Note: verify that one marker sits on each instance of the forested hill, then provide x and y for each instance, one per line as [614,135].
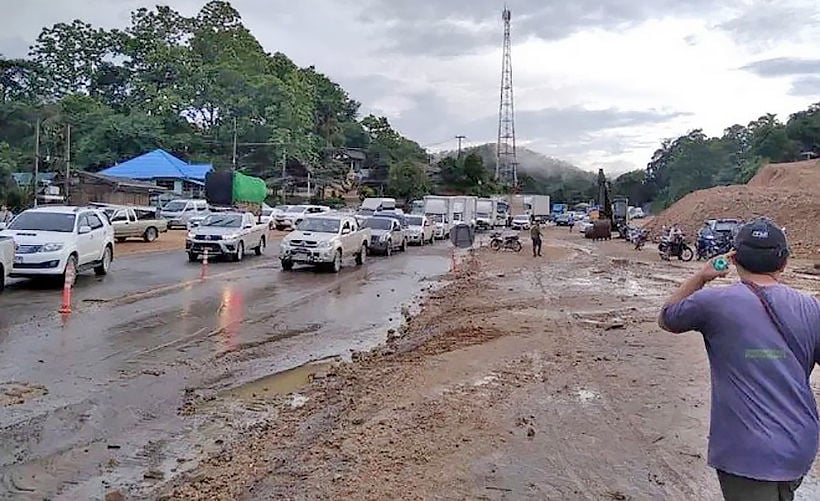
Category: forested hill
[183,84]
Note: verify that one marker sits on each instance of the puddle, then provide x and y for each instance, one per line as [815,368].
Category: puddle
[281,383]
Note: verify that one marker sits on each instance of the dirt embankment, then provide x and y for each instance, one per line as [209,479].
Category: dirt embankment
[787,193]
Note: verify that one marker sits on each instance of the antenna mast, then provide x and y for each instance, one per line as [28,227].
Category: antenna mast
[506,167]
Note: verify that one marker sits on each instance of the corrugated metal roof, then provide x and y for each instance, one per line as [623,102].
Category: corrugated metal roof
[157,164]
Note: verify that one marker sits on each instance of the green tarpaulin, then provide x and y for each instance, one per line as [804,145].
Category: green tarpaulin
[249,189]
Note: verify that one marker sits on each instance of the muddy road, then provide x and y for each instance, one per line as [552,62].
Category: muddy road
[520,378]
[105,398]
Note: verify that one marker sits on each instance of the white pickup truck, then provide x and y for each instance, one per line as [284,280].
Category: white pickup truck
[325,240]
[7,248]
[135,222]
[229,234]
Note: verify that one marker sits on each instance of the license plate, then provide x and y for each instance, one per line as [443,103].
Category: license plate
[18,259]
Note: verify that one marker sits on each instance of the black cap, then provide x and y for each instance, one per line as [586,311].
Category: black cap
[761,246]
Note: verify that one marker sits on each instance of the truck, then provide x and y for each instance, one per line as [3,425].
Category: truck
[558,210]
[234,190]
[417,207]
[486,213]
[437,210]
[463,209]
[325,240]
[372,205]
[537,207]
[502,210]
[134,222]
[228,233]
[7,251]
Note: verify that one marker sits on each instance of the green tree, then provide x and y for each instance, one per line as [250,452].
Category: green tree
[407,180]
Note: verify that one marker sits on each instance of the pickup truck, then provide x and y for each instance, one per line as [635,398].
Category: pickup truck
[325,240]
[136,222]
[229,234]
[7,248]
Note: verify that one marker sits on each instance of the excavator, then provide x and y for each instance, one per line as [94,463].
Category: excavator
[612,214]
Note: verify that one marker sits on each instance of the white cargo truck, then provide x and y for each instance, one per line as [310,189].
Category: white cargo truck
[486,216]
[537,207]
[463,209]
[437,210]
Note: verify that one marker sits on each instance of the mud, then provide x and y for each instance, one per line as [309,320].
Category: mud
[520,378]
[130,390]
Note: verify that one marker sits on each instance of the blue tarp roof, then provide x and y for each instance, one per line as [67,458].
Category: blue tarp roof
[158,164]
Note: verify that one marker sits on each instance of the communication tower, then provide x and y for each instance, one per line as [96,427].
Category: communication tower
[506,167]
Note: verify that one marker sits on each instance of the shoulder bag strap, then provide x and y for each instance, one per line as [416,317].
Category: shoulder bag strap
[779,326]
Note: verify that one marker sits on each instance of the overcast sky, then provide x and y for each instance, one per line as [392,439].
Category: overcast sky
[597,82]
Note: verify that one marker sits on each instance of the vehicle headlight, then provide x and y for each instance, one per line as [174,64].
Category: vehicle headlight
[231,237]
[327,244]
[51,247]
[191,236]
[383,237]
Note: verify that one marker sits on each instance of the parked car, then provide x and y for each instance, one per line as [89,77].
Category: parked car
[180,212]
[325,240]
[7,251]
[520,222]
[386,235]
[135,222]
[294,215]
[53,240]
[230,234]
[419,230]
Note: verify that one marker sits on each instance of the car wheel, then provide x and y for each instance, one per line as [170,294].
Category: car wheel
[336,265]
[102,269]
[361,257]
[389,249]
[287,265]
[70,266]
[240,252]
[121,239]
[2,278]
[193,257]
[404,245]
[261,247]
[150,235]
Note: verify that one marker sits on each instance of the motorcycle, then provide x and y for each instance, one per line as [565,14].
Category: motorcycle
[675,247]
[639,238]
[710,246]
[506,242]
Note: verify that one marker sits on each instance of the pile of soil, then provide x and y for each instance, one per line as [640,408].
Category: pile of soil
[786,193]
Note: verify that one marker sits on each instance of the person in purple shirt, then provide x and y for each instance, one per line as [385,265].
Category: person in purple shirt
[762,339]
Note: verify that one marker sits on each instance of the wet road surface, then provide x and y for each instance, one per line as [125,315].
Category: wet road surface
[98,398]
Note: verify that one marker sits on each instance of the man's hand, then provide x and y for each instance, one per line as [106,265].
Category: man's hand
[709,273]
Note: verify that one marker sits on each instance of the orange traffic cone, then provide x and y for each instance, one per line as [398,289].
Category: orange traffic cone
[65,307]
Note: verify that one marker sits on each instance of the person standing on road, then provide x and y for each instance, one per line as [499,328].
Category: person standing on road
[5,215]
[763,340]
[535,234]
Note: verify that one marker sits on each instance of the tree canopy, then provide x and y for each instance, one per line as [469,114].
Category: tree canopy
[184,84]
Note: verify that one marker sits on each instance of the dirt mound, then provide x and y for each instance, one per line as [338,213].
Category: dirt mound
[796,175]
[798,210]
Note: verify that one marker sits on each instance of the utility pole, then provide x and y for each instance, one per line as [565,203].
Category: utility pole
[67,160]
[284,165]
[460,138]
[234,144]
[36,159]
[310,194]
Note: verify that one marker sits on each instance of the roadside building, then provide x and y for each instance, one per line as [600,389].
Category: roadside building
[164,170]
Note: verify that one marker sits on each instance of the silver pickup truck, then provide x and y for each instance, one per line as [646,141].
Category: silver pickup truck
[135,222]
[7,248]
[325,240]
[229,234]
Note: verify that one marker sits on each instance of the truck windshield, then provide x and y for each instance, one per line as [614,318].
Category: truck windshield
[319,225]
[175,206]
[437,218]
[414,221]
[223,221]
[378,223]
[44,221]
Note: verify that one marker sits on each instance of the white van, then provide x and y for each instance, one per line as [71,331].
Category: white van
[179,212]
